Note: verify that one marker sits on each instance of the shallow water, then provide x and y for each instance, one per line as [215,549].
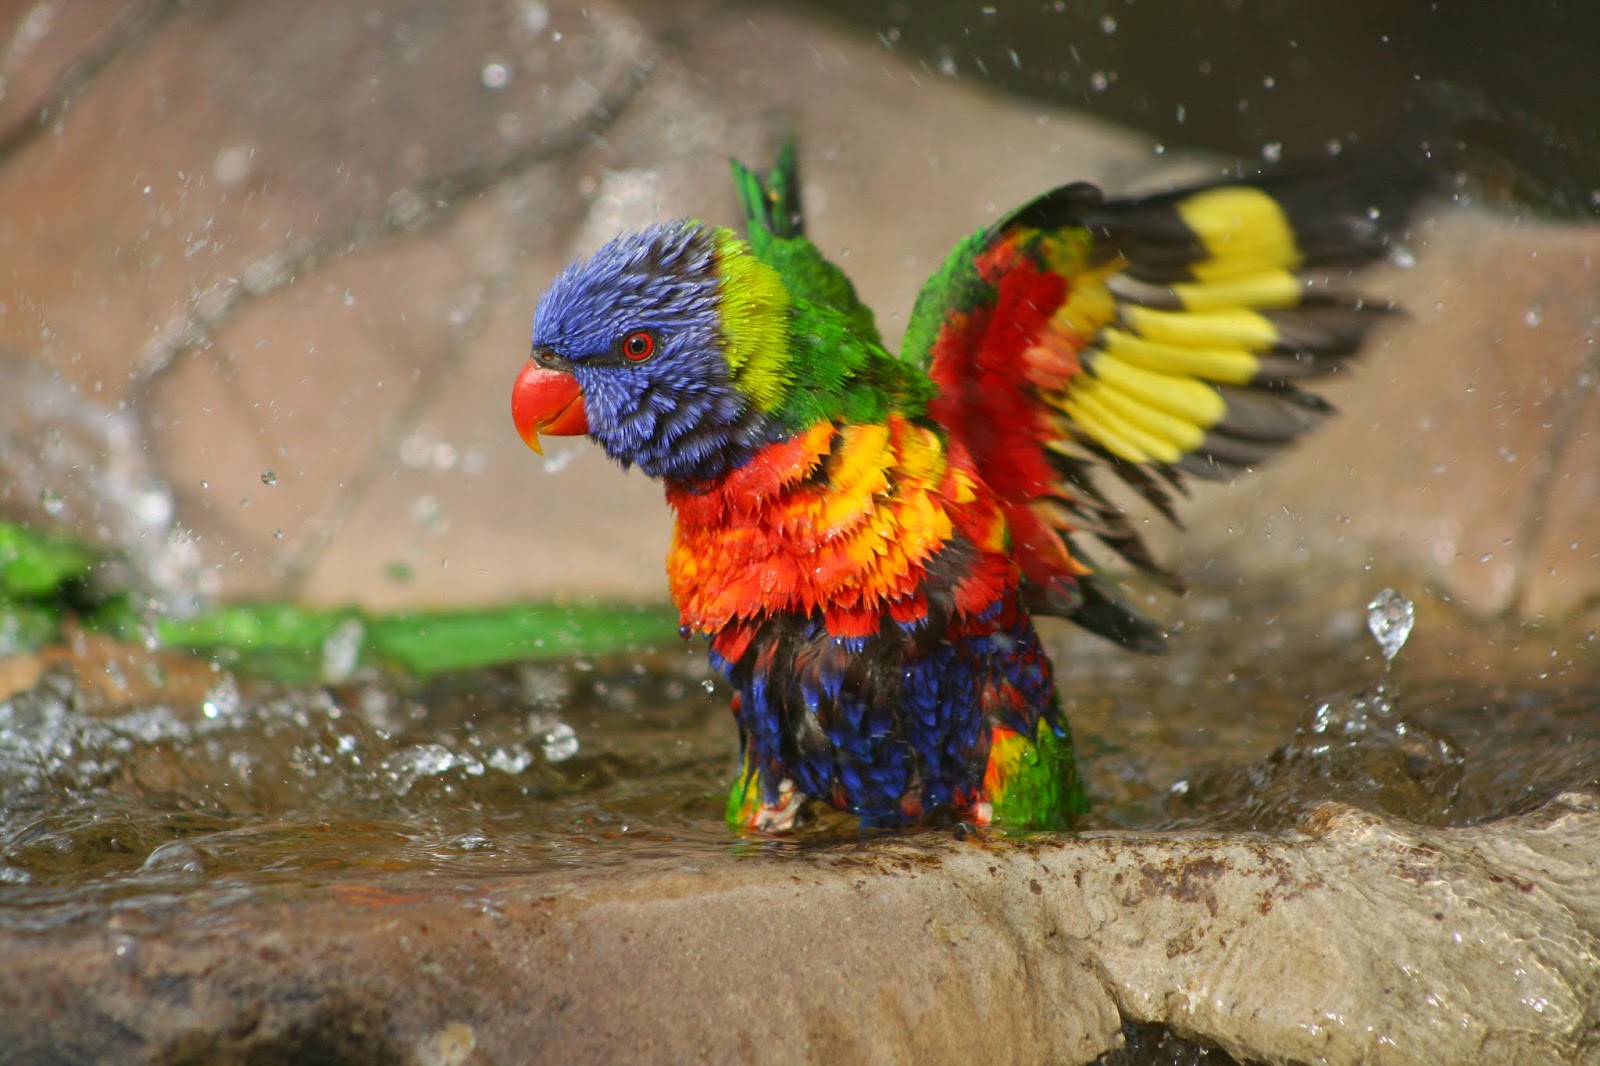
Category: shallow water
[120,796]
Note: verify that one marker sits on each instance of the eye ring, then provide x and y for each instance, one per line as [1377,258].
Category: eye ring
[637,346]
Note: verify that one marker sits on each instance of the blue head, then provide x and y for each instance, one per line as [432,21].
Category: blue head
[672,347]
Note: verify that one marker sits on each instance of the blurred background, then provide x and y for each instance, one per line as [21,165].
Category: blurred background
[266,270]
[1502,87]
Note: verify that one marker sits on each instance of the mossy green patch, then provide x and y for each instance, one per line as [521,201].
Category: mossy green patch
[46,578]
[287,641]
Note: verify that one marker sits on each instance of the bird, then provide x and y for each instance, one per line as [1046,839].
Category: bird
[865,540]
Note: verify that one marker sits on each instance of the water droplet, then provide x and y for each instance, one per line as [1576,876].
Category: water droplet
[175,857]
[427,512]
[1099,81]
[1533,317]
[405,768]
[233,164]
[560,742]
[222,699]
[1108,24]
[534,16]
[510,760]
[1272,151]
[52,502]
[947,66]
[495,75]
[269,477]
[1390,616]
[124,946]
[341,652]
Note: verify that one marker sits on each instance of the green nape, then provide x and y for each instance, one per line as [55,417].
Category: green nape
[839,376]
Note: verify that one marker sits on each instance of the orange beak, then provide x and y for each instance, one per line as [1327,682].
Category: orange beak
[547,401]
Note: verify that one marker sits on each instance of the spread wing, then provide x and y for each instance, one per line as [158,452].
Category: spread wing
[1147,339]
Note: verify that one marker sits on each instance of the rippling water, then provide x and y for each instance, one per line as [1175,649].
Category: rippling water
[116,794]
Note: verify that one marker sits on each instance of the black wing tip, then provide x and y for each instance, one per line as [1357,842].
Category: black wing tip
[1345,211]
[1102,611]
[1063,206]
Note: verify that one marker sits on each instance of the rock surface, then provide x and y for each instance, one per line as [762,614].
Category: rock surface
[322,267]
[1356,939]
[300,242]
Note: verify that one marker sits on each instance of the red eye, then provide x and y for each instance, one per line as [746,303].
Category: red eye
[639,345]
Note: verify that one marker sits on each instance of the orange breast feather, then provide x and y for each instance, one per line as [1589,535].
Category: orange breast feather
[841,518]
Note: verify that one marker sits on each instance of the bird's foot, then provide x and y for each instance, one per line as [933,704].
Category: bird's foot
[782,816]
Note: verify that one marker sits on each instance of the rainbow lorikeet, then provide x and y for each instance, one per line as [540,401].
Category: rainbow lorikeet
[866,539]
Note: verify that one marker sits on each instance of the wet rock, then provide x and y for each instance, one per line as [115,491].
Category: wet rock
[239,262]
[1356,939]
[53,50]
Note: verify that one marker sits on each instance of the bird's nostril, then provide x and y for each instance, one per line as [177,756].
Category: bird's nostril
[547,358]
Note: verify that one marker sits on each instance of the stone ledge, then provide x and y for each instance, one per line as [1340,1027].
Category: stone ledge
[1357,939]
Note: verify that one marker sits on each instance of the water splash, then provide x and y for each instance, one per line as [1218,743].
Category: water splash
[1390,616]
[1354,747]
[223,698]
[341,652]
[67,460]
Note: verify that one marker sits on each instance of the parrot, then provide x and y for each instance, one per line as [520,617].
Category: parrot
[864,540]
